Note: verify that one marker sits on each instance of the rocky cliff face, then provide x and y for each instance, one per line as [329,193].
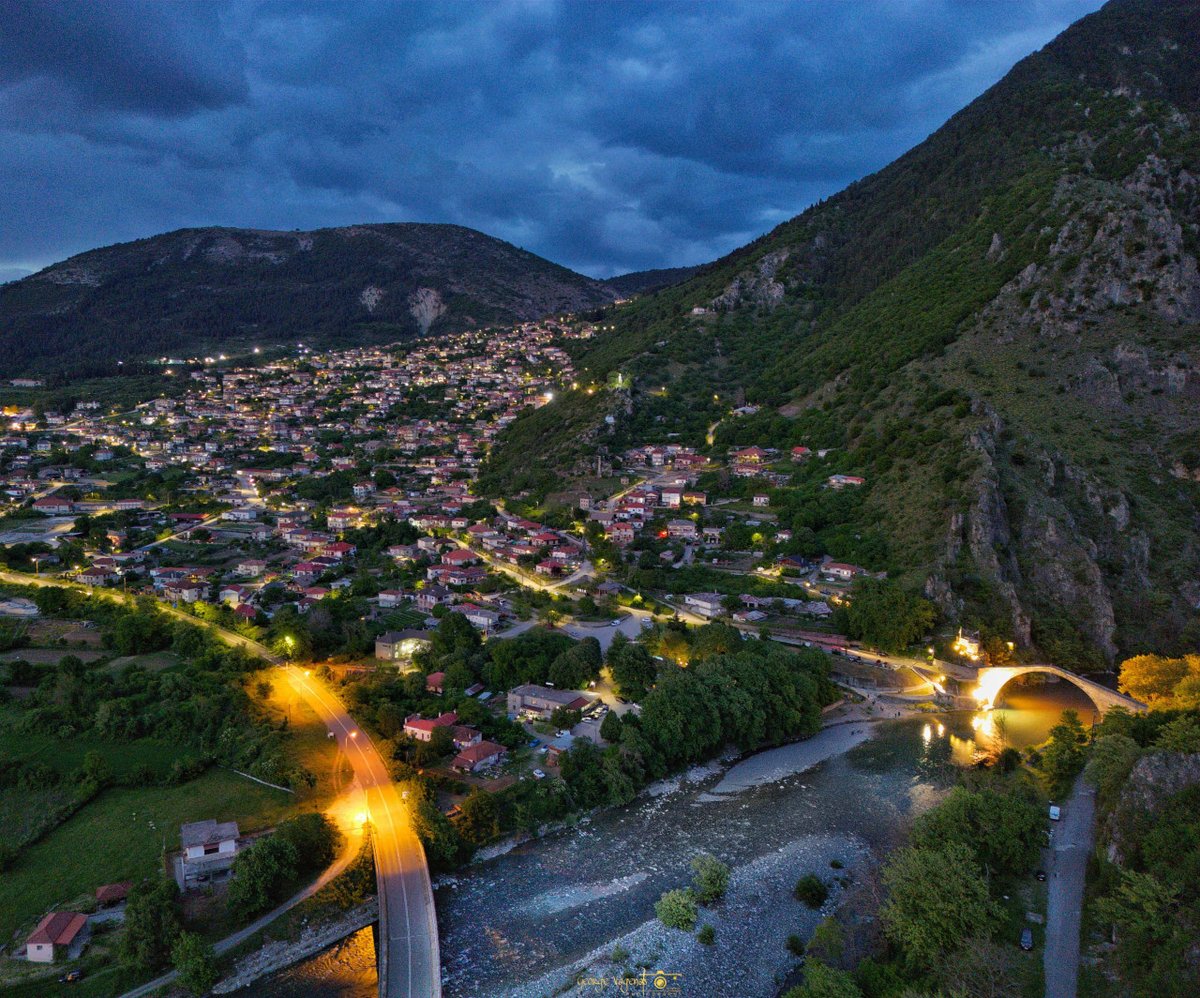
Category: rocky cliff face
[999,332]
[1154,778]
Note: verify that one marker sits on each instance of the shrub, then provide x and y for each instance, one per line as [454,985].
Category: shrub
[795,945]
[711,878]
[707,935]
[677,909]
[812,890]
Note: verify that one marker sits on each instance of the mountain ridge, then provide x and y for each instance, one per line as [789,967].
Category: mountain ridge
[995,329]
[205,288]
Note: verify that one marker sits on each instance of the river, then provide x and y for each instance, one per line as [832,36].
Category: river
[531,921]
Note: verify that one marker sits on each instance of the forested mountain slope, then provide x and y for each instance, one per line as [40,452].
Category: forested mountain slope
[999,330]
[197,290]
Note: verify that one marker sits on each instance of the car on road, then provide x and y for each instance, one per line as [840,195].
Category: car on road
[1040,874]
[534,743]
[1055,812]
[71,977]
[1027,939]
[538,774]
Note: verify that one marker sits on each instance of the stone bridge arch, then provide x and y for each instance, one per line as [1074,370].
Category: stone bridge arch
[993,679]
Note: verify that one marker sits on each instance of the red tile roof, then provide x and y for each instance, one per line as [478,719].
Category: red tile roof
[58,928]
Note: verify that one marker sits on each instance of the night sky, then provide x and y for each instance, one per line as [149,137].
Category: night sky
[605,136]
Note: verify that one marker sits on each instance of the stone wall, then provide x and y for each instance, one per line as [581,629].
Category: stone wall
[277,954]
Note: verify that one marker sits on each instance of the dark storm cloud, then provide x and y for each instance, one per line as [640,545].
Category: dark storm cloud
[606,136]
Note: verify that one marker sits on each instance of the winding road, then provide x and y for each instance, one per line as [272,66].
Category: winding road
[409,960]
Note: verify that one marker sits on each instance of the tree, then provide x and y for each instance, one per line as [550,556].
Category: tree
[711,878]
[314,837]
[1151,678]
[454,635]
[611,727]
[1064,754]
[197,964]
[677,909]
[936,899]
[95,768]
[1180,735]
[981,968]
[1113,758]
[443,845]
[633,669]
[1143,911]
[822,981]
[151,924]
[479,818]
[1003,826]
[883,615]
[564,718]
[261,874]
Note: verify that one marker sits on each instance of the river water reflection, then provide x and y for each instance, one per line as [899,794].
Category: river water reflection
[506,922]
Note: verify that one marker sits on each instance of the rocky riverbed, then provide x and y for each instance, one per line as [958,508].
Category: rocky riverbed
[544,917]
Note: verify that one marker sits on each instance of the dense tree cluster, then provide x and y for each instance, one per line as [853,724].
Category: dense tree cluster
[272,866]
[884,616]
[199,703]
[761,694]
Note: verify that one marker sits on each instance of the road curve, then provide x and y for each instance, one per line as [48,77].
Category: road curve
[409,962]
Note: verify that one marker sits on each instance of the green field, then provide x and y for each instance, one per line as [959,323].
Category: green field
[405,617]
[152,662]
[121,835]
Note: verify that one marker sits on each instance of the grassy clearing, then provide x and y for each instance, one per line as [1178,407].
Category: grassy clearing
[121,836]
[50,656]
[406,617]
[309,745]
[152,662]
[22,811]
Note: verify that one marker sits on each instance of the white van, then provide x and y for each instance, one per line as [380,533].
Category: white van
[1055,813]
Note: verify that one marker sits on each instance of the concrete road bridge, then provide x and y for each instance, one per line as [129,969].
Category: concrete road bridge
[992,679]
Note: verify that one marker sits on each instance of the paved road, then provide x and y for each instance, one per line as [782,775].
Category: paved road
[409,962]
[1072,843]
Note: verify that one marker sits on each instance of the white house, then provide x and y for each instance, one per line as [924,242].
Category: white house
[209,848]
[59,934]
[705,604]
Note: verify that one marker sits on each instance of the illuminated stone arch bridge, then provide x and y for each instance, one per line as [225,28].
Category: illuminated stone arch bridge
[992,679]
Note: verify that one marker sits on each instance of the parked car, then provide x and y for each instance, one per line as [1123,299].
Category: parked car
[538,774]
[1041,874]
[1027,939]
[1055,813]
[71,977]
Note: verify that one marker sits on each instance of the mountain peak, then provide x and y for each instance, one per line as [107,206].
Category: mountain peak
[199,289]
